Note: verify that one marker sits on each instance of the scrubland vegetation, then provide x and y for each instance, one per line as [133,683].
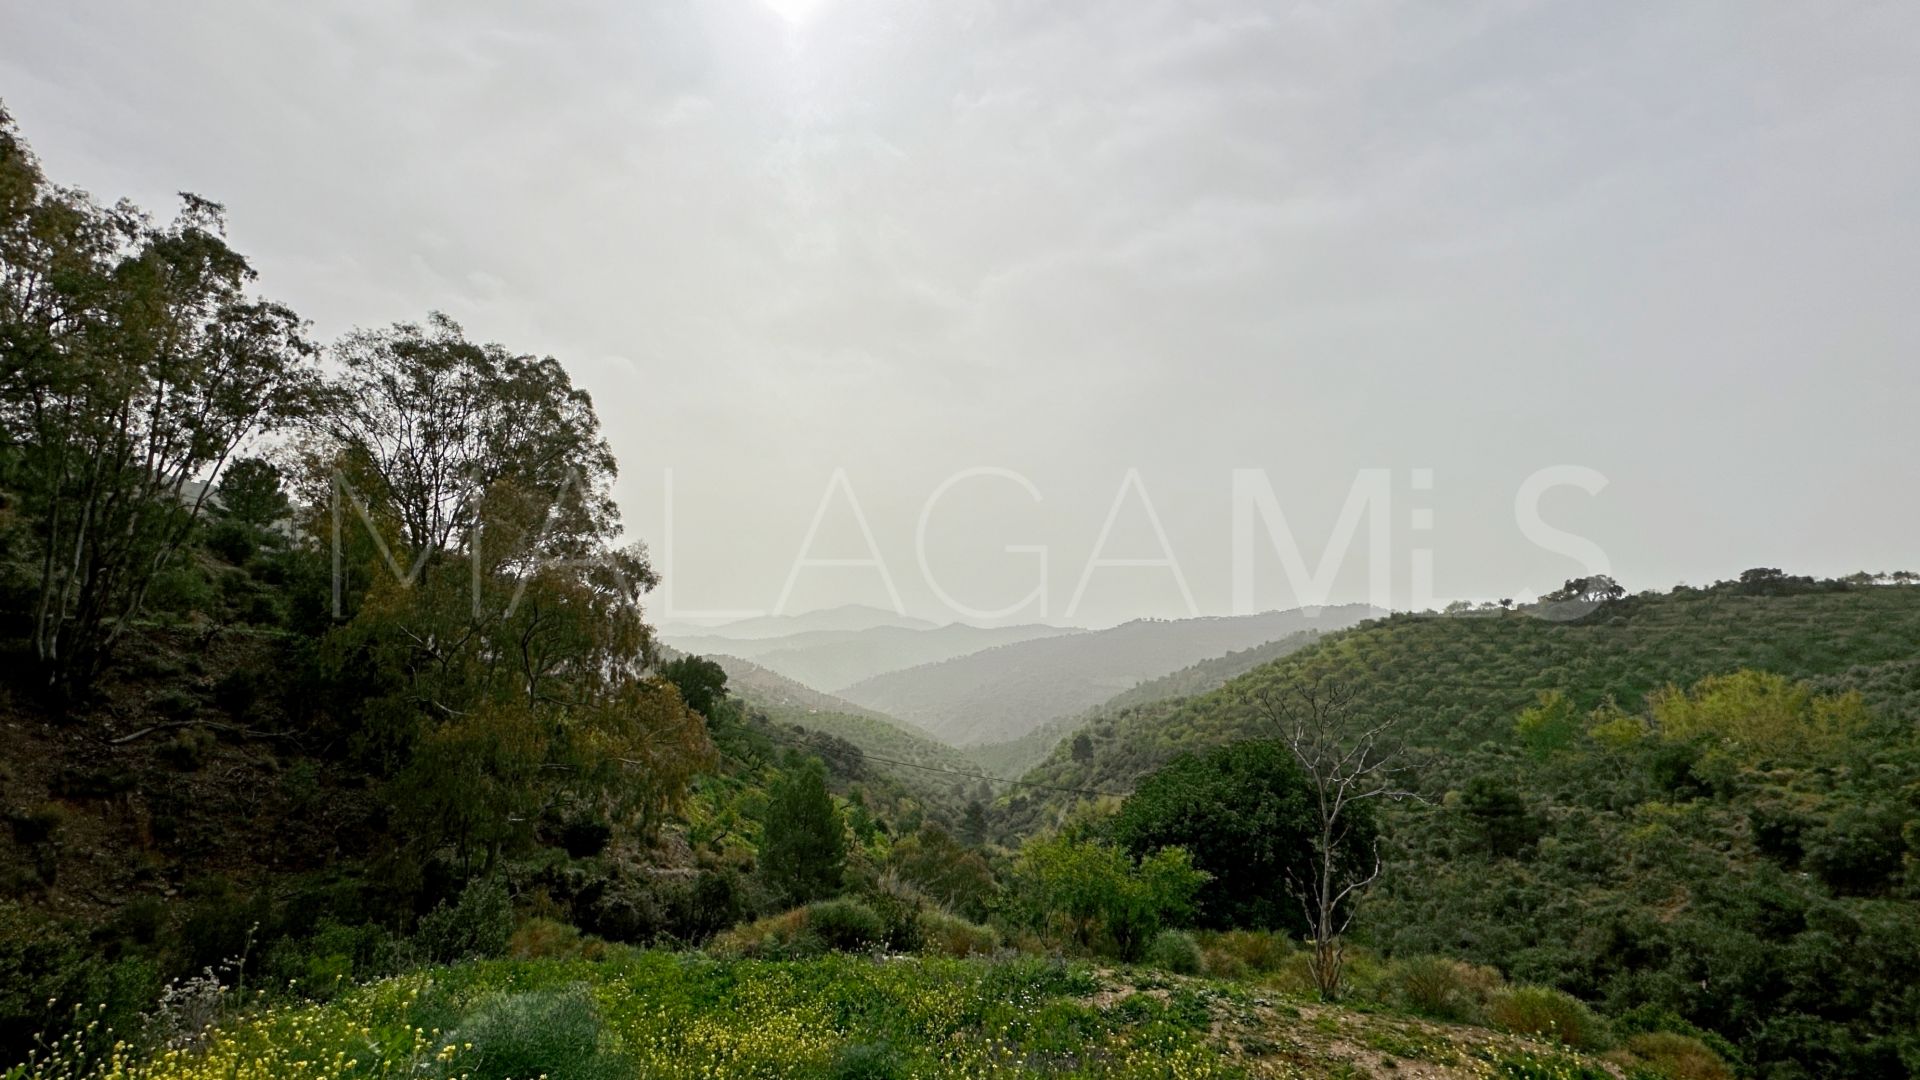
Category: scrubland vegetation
[336,742]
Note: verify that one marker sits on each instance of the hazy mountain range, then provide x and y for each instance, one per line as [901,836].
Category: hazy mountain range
[831,659]
[1003,693]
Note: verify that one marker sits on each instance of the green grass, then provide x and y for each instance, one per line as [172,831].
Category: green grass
[658,1014]
[669,1015]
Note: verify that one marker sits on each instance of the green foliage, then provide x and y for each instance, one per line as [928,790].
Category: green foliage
[1175,951]
[136,361]
[803,849]
[233,541]
[1442,988]
[1673,1056]
[1758,716]
[946,934]
[1494,818]
[553,1033]
[478,924]
[1659,868]
[49,972]
[1237,953]
[846,925]
[945,870]
[1548,1013]
[1245,815]
[250,493]
[701,682]
[1550,726]
[1098,898]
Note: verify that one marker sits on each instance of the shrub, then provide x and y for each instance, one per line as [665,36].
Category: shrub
[47,969]
[331,957]
[543,939]
[480,924]
[899,906]
[946,934]
[1679,1057]
[1174,951]
[175,704]
[774,937]
[1241,952]
[1097,897]
[846,925]
[1550,1013]
[554,1033]
[188,750]
[719,900]
[1438,987]
[232,541]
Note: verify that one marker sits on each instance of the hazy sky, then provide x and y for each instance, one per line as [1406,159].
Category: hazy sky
[1676,244]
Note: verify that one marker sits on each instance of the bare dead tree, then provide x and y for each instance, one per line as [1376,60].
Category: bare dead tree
[1347,761]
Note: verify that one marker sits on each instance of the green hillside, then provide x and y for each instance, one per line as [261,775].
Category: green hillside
[1016,756]
[936,774]
[831,659]
[1002,693]
[632,1013]
[1457,680]
[1738,853]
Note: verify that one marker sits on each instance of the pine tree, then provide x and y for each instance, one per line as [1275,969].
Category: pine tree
[803,845]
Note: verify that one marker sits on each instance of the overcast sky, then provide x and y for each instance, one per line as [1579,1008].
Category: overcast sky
[1676,244]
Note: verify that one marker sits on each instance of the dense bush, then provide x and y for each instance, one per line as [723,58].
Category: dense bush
[846,925]
[1244,952]
[1549,1013]
[1175,951]
[1438,987]
[773,937]
[552,1033]
[478,924]
[946,934]
[1678,1057]
[1244,813]
[1095,897]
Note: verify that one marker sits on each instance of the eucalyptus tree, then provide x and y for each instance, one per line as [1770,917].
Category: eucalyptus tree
[134,362]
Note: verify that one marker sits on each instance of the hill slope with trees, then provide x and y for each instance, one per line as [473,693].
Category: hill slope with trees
[833,659]
[1701,805]
[1003,693]
[1016,756]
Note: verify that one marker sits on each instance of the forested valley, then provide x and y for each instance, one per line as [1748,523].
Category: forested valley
[336,740]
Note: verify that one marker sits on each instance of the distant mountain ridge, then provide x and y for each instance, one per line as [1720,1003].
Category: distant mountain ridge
[1002,693]
[831,659]
[934,773]
[1014,757]
[844,617]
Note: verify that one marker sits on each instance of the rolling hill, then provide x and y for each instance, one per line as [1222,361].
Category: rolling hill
[843,618]
[1002,693]
[930,770]
[1702,806]
[1459,680]
[832,659]
[1016,756]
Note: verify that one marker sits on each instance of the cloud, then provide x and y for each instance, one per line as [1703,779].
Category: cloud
[909,236]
